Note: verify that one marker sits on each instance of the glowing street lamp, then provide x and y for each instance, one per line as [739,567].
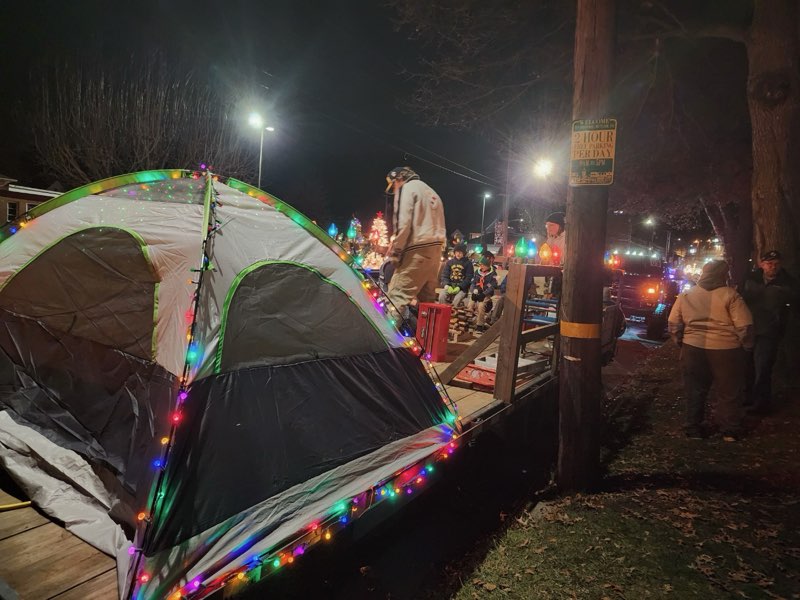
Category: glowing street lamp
[257,121]
[543,168]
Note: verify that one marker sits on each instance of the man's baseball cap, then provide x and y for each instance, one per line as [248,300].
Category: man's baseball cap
[402,173]
[771,255]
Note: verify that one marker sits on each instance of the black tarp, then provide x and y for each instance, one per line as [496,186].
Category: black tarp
[97,401]
[284,313]
[248,435]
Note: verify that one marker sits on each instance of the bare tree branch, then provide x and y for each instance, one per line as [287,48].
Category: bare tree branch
[91,123]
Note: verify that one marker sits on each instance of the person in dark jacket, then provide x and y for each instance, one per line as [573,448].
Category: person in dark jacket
[456,276]
[771,294]
[484,282]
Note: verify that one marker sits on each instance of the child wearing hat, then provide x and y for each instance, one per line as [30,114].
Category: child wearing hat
[484,282]
[456,276]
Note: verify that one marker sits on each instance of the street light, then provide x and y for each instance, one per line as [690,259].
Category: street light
[257,121]
[543,168]
[486,196]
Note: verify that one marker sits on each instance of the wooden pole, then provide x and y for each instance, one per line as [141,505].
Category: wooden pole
[582,293]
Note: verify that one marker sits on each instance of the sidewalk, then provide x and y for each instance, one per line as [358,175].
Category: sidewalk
[675,518]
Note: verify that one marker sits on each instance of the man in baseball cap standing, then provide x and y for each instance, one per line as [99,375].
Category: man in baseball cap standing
[419,230]
[771,294]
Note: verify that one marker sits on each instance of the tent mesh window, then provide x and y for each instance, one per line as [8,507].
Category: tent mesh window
[95,284]
[282,313]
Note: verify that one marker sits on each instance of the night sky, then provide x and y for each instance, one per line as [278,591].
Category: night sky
[334,73]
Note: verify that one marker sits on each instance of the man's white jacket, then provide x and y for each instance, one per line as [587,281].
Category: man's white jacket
[418,218]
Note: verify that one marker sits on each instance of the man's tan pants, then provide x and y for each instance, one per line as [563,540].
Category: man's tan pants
[415,276]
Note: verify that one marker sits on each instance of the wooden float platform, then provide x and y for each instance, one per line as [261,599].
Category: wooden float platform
[40,560]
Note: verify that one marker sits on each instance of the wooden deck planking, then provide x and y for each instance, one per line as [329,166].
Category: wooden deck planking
[469,400]
[472,403]
[101,587]
[16,521]
[45,561]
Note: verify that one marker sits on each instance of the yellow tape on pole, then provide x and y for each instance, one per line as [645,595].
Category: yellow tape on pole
[580,330]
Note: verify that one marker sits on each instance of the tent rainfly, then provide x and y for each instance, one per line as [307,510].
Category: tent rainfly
[199,370]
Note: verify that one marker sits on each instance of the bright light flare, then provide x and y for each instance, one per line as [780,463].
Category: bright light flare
[543,168]
[255,120]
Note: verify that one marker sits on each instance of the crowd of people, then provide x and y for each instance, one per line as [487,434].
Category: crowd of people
[411,272]
[730,340]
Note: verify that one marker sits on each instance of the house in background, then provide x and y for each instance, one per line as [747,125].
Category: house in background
[16,200]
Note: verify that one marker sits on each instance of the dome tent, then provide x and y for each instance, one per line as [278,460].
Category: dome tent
[203,367]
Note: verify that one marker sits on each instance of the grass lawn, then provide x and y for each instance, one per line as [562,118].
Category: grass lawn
[674,518]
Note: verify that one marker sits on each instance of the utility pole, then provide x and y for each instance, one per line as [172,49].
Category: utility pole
[506,203]
[582,294]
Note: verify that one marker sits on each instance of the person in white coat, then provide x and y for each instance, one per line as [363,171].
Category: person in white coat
[713,327]
[419,228]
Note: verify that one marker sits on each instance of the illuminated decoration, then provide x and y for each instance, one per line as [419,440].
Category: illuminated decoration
[354,231]
[532,249]
[403,484]
[333,230]
[545,253]
[479,249]
[379,232]
[341,514]
[521,249]
[406,482]
[210,227]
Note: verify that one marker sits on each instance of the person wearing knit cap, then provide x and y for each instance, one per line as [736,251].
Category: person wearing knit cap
[771,294]
[556,236]
[713,326]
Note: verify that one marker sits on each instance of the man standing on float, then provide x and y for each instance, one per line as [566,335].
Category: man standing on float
[419,229]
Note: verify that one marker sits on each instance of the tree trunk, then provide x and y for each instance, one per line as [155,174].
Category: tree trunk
[734,229]
[773,96]
[582,296]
